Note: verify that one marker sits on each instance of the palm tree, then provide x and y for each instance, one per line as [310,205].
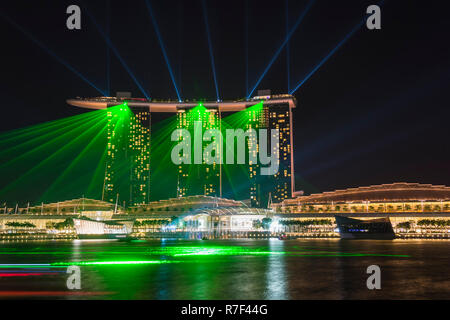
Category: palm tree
[257,224]
[404,225]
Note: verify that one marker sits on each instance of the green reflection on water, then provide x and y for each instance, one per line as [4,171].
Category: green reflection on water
[97,263]
[183,251]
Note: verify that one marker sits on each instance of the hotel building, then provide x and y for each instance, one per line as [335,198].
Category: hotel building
[128,157]
[128,150]
[199,179]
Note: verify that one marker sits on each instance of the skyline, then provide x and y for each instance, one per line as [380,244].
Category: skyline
[227,157]
[394,137]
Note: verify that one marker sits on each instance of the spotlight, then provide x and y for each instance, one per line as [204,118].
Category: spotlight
[277,53]
[332,52]
[211,54]
[51,53]
[163,49]
[116,53]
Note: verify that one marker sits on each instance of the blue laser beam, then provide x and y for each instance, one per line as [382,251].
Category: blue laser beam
[51,53]
[117,54]
[211,54]
[163,49]
[180,45]
[288,59]
[108,55]
[277,53]
[246,47]
[383,142]
[368,121]
[309,75]
[332,52]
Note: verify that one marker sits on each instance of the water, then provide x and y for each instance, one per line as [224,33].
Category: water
[226,269]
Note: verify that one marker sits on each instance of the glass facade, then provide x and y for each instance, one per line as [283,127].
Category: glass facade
[280,118]
[258,119]
[127,172]
[140,156]
[203,178]
[127,158]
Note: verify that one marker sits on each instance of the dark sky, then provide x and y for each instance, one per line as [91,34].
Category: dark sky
[375,112]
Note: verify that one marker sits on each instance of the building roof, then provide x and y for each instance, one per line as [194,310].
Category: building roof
[400,191]
[77,203]
[198,201]
[174,106]
[231,211]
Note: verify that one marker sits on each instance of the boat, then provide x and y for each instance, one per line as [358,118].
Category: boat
[284,236]
[110,236]
[377,229]
[108,230]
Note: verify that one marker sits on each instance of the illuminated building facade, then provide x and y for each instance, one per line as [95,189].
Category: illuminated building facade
[282,184]
[127,171]
[140,156]
[182,205]
[114,152]
[198,179]
[399,197]
[128,149]
[415,210]
[257,119]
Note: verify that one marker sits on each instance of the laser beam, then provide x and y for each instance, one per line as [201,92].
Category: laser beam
[163,49]
[246,47]
[117,54]
[48,137]
[108,55]
[277,53]
[288,59]
[211,54]
[51,53]
[84,129]
[332,52]
[77,159]
[328,56]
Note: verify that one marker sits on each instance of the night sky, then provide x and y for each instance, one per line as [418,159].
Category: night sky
[376,112]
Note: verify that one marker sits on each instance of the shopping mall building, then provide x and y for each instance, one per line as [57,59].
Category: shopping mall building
[411,207]
[415,211]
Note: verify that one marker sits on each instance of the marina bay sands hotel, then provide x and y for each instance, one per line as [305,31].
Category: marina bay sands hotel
[276,113]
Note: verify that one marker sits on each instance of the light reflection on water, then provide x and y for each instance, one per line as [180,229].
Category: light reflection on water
[276,273]
[228,269]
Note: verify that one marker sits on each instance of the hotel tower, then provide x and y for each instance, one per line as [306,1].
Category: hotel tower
[127,156]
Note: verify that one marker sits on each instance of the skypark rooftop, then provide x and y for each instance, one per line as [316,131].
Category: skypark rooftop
[174,106]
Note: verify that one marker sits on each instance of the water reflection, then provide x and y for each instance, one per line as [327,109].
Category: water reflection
[276,273]
[232,269]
